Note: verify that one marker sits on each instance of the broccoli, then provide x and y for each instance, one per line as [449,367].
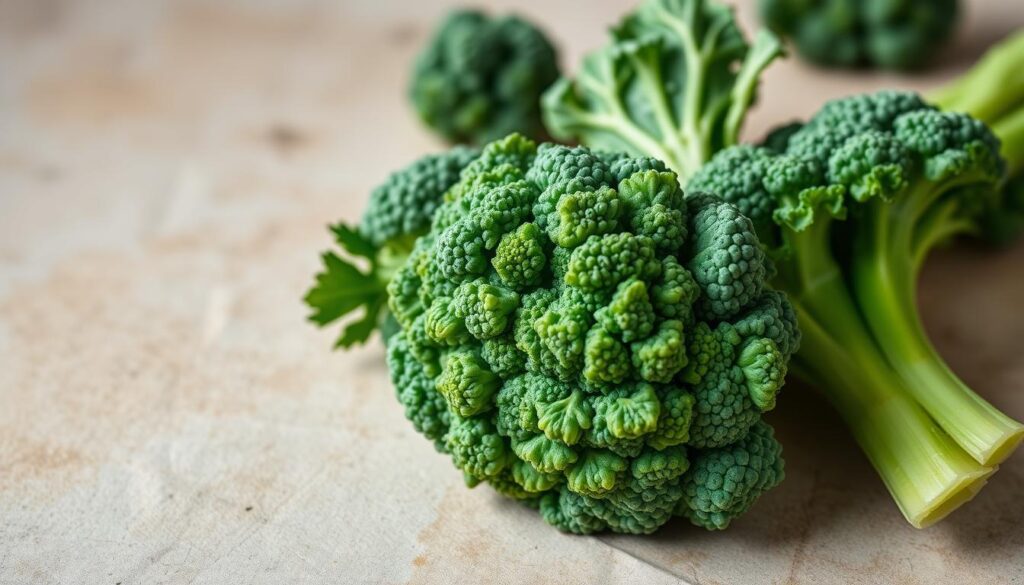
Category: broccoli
[581,337]
[890,34]
[481,78]
[993,92]
[674,83]
[400,210]
[850,204]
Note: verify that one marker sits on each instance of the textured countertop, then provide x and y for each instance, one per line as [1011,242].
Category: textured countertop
[167,416]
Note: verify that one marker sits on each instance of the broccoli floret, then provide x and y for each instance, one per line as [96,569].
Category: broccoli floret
[724,482]
[890,34]
[405,204]
[424,406]
[481,78]
[674,84]
[400,211]
[737,176]
[601,350]
[857,197]
[519,259]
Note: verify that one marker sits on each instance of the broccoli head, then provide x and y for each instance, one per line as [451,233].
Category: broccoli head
[849,205]
[400,210]
[890,34]
[481,78]
[674,83]
[605,347]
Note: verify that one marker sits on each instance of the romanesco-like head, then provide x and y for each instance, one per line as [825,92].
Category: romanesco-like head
[591,332]
[890,34]
[481,78]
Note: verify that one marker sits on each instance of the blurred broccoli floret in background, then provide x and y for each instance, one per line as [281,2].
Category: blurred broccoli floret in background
[481,78]
[890,34]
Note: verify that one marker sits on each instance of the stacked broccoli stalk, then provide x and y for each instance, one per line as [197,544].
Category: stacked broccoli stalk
[847,206]
[582,338]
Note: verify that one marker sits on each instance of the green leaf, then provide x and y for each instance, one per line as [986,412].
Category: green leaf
[353,242]
[340,289]
[359,331]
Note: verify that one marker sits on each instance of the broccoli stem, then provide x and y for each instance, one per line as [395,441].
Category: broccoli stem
[765,49]
[993,92]
[681,156]
[694,90]
[991,88]
[926,472]
[884,274]
[1010,131]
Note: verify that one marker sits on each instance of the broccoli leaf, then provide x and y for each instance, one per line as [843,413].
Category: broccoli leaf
[353,242]
[342,288]
[674,83]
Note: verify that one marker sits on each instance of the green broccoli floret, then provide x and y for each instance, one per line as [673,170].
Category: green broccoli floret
[400,210]
[674,84]
[587,356]
[481,78]
[850,204]
[724,482]
[424,406]
[891,34]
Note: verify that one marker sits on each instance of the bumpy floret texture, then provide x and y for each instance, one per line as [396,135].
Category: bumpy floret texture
[891,34]
[480,78]
[737,176]
[726,481]
[581,355]
[404,205]
[867,147]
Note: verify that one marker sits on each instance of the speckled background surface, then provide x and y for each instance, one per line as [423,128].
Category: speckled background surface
[167,416]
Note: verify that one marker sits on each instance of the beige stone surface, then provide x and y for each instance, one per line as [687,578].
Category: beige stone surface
[166,416]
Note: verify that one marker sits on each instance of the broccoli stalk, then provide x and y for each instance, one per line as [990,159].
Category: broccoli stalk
[993,92]
[667,86]
[888,257]
[924,469]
